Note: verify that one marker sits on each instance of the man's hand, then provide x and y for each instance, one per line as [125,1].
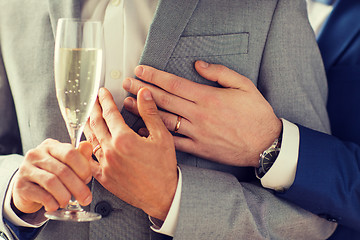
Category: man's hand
[230,125]
[139,170]
[50,174]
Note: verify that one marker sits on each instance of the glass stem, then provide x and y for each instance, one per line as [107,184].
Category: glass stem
[75,136]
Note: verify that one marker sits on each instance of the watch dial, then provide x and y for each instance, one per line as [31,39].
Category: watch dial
[269,159]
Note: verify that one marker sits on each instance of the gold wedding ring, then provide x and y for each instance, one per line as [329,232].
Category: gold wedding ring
[96,148]
[177,126]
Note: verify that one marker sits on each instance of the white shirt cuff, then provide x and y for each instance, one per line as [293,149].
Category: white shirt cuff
[170,223]
[281,175]
[33,220]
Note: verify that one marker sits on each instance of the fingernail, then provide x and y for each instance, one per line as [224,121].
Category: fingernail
[127,84]
[139,70]
[101,91]
[128,103]
[147,95]
[88,200]
[203,64]
[88,179]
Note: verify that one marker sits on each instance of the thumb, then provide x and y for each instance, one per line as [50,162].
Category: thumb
[223,75]
[149,112]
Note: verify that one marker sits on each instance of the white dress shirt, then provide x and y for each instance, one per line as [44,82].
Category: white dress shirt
[124,39]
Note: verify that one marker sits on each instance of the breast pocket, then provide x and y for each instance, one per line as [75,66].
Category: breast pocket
[229,49]
[212,45]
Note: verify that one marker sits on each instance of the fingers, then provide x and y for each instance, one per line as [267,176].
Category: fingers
[185,145]
[65,174]
[169,119]
[169,82]
[149,113]
[28,192]
[90,135]
[85,149]
[165,100]
[69,156]
[97,123]
[223,75]
[114,121]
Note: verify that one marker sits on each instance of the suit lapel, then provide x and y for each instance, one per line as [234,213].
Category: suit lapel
[63,9]
[169,22]
[339,30]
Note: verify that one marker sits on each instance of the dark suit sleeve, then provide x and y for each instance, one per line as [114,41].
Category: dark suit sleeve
[23,233]
[327,180]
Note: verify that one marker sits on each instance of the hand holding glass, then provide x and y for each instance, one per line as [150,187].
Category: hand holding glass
[77,64]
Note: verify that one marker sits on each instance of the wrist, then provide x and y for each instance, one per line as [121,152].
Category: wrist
[162,206]
[269,156]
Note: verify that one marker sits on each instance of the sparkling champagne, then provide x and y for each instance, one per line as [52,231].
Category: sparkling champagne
[77,79]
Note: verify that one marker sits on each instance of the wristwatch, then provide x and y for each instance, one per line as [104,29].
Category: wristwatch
[268,157]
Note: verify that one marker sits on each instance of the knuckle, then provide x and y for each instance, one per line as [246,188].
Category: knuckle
[50,181]
[32,154]
[169,124]
[137,86]
[151,111]
[94,119]
[63,172]
[222,69]
[108,112]
[164,100]
[104,96]
[71,154]
[46,199]
[48,141]
[174,84]
[150,75]
[91,137]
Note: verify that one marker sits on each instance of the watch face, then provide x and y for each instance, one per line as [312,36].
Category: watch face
[269,159]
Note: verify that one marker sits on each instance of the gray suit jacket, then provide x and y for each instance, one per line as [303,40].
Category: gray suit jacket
[269,41]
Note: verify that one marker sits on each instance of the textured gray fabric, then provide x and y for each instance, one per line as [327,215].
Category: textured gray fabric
[255,38]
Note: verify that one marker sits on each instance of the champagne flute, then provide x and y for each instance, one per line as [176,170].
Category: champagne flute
[77,65]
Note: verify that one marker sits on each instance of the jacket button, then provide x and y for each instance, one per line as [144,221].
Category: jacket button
[3,236]
[103,208]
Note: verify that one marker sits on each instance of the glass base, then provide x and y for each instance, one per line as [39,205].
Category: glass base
[73,215]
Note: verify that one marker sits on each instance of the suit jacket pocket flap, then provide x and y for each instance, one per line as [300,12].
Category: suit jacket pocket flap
[212,45]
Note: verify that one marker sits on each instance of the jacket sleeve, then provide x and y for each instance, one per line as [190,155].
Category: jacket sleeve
[10,143]
[327,180]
